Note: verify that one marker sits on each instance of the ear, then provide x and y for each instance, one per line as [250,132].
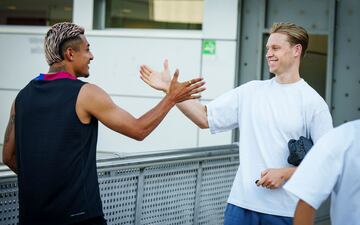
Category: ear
[69,54]
[297,50]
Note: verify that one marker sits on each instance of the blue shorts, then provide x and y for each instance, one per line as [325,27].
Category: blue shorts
[235,215]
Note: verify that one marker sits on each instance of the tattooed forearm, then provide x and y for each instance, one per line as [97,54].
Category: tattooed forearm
[9,145]
[9,128]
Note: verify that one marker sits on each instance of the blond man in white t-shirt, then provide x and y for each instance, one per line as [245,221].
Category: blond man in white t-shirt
[268,113]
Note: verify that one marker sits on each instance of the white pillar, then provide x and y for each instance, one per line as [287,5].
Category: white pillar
[83,11]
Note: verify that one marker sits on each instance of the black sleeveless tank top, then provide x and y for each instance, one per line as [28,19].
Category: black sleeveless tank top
[56,155]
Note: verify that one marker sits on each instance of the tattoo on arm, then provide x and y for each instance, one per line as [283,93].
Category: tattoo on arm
[9,128]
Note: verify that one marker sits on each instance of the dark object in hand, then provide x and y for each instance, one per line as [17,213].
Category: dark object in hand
[298,149]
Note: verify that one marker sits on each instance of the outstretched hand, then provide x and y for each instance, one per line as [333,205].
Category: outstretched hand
[186,90]
[157,80]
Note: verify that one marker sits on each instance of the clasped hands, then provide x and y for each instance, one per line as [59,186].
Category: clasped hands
[274,178]
[162,81]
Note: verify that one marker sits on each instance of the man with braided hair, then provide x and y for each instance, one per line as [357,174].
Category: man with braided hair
[50,140]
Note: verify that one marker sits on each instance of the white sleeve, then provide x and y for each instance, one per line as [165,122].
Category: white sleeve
[319,172]
[320,124]
[223,112]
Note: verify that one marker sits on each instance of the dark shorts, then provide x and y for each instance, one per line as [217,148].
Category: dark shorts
[235,215]
[93,221]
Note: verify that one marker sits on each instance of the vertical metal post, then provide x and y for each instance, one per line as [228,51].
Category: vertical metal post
[262,24]
[197,193]
[235,133]
[139,197]
[330,55]
[99,14]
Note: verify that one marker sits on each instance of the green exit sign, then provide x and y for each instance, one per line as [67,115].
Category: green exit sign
[208,47]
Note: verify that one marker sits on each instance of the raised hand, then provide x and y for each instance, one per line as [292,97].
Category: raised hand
[184,91]
[157,80]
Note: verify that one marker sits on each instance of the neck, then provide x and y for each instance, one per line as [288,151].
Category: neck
[58,67]
[288,78]
[290,75]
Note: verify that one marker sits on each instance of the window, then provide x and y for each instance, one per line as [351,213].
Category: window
[152,14]
[35,12]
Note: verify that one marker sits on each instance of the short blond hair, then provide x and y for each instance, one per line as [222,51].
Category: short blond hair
[56,37]
[296,34]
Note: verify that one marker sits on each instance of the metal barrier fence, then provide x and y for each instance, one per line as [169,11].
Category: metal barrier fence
[188,186]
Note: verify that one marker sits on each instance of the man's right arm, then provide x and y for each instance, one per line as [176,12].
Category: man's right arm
[195,111]
[93,101]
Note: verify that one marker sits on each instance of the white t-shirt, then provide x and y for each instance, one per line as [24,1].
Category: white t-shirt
[268,115]
[332,166]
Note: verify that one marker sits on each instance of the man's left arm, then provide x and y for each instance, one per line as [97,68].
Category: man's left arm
[304,214]
[9,148]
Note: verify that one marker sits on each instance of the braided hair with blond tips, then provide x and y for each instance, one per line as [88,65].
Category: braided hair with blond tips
[57,40]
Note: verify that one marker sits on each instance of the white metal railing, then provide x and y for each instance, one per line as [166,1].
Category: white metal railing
[186,186]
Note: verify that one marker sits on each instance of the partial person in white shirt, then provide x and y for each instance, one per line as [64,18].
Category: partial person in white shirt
[268,113]
[331,167]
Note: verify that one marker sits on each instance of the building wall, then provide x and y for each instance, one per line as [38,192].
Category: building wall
[117,57]
[346,78]
[236,26]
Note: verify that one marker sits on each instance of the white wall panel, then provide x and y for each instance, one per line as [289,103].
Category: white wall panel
[117,60]
[208,139]
[175,132]
[21,58]
[219,69]
[220,19]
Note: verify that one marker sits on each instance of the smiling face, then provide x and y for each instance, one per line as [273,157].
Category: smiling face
[81,58]
[281,56]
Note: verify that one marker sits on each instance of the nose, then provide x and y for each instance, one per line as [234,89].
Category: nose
[91,56]
[268,53]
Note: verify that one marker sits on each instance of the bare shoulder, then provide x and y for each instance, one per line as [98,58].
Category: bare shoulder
[89,90]
[92,98]
[93,94]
